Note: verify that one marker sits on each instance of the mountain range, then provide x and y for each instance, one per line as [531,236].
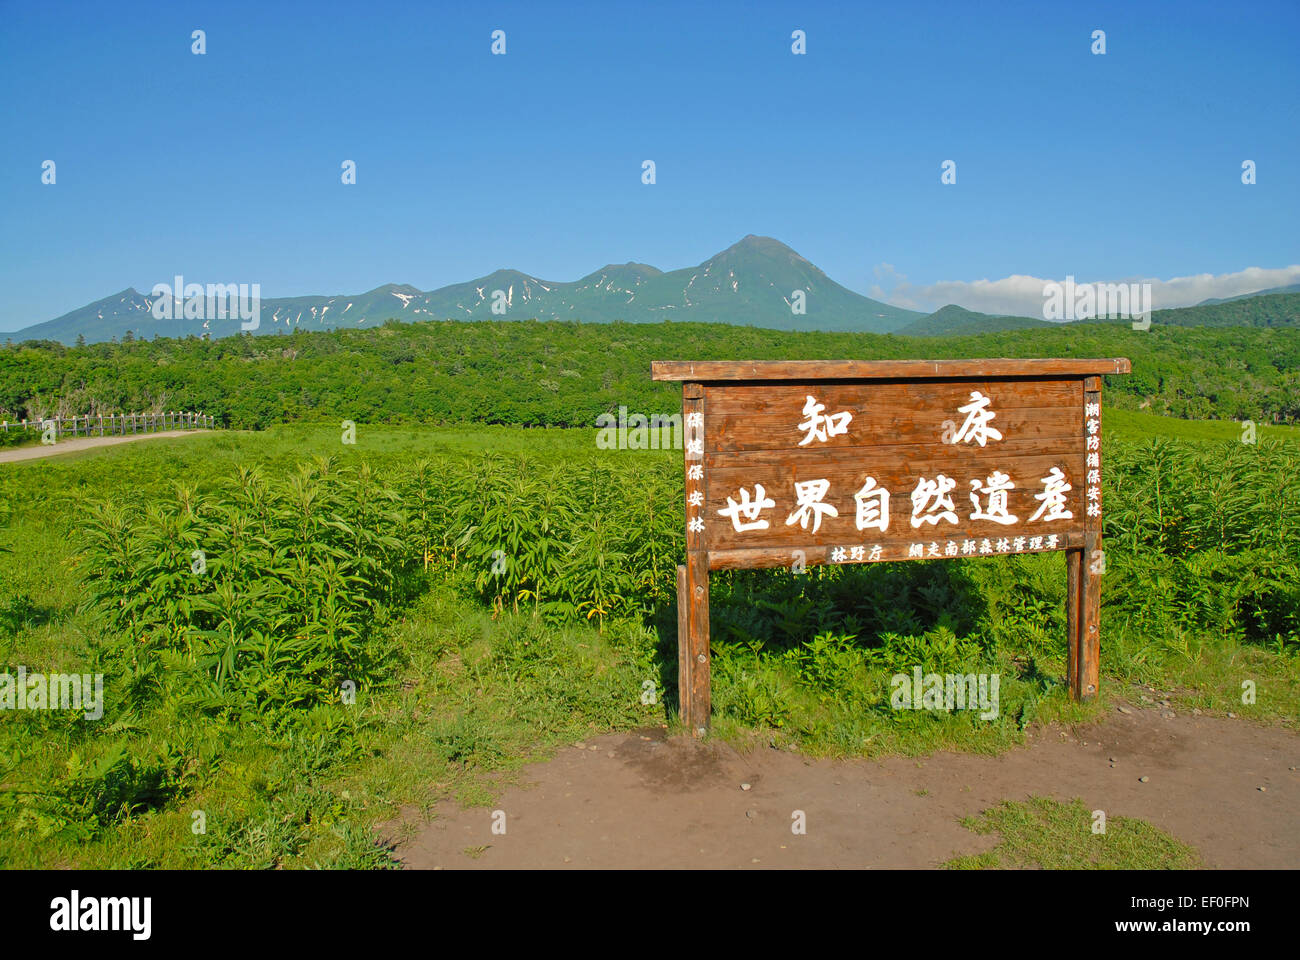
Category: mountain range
[1293,288]
[751,283]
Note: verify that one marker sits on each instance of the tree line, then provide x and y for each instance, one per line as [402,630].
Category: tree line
[555,373]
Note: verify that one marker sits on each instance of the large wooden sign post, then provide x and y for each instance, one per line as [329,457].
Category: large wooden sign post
[803,462]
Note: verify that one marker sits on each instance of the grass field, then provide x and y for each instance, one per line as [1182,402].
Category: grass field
[491,592]
[1044,834]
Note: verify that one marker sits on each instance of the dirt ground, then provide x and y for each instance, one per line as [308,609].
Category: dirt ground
[643,800]
[84,443]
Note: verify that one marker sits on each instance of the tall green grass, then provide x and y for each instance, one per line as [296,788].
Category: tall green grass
[483,606]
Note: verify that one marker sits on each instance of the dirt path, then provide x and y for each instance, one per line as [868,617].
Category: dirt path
[643,801]
[84,443]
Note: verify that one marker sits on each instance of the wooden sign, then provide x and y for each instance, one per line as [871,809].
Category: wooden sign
[803,462]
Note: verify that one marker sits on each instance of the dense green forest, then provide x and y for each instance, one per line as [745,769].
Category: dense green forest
[1273,310]
[566,374]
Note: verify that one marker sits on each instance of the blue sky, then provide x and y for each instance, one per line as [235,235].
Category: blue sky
[226,167]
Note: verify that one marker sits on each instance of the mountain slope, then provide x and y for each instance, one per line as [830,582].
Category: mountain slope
[1272,310]
[1293,288]
[953,320]
[750,283]
[102,320]
[753,283]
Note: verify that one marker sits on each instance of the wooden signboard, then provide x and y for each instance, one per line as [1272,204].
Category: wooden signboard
[790,463]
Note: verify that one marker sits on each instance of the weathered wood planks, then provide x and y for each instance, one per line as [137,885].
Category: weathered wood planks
[716,370]
[791,463]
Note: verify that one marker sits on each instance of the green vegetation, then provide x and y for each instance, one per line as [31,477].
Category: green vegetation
[19,438]
[1044,834]
[567,374]
[302,572]
[952,321]
[377,565]
[1273,310]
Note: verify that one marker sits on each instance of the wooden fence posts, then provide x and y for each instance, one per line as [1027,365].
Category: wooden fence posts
[116,424]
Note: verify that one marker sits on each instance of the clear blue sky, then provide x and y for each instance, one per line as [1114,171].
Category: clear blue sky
[225,167]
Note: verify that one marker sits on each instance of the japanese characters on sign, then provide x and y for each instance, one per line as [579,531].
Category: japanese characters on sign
[694,472]
[1092,423]
[890,471]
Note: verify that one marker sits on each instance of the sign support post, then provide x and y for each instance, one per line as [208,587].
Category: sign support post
[694,679]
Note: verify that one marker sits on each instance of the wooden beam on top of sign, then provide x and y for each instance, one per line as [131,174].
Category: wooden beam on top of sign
[715,370]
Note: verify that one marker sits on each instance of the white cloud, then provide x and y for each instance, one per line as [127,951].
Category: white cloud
[887,276]
[1023,296]
[888,273]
